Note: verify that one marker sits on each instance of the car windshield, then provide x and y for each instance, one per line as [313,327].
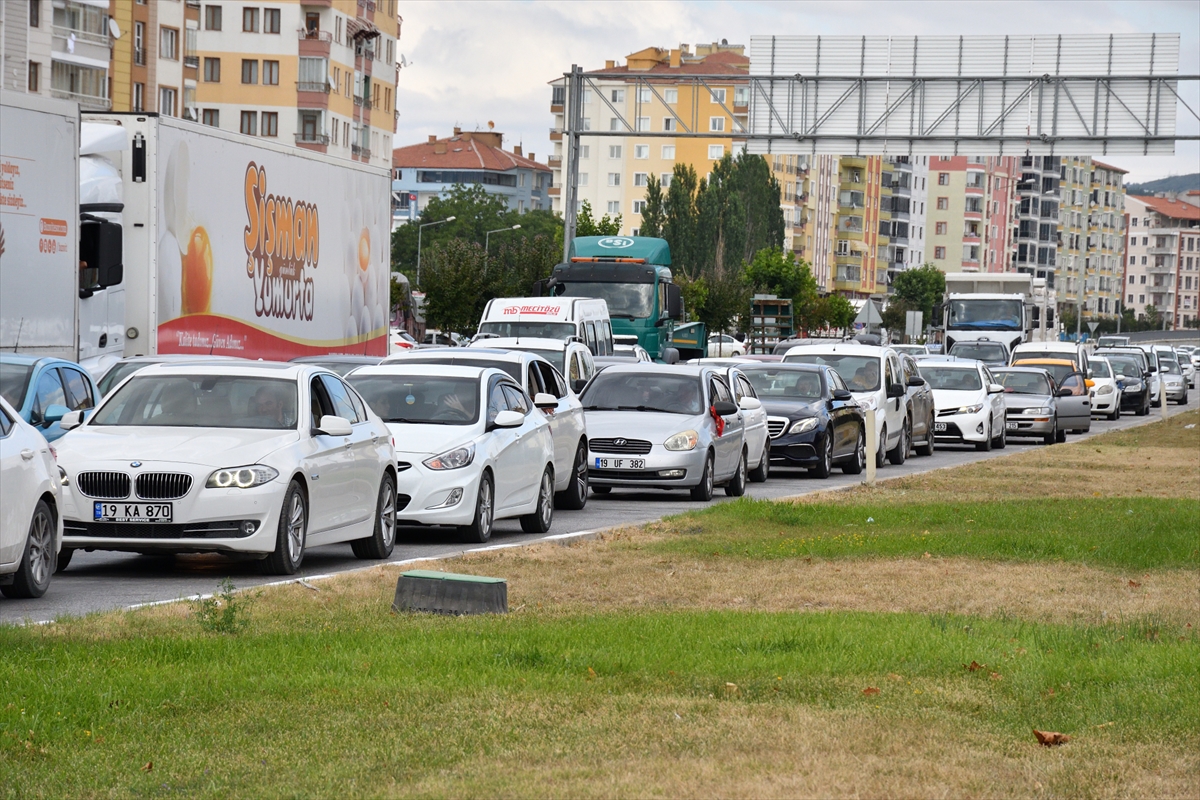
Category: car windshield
[643,391]
[628,300]
[201,401]
[1100,368]
[513,368]
[1170,367]
[531,329]
[1128,367]
[420,398]
[911,349]
[955,379]
[861,373]
[1112,341]
[1025,355]
[13,380]
[1022,382]
[983,315]
[785,384]
[980,351]
[118,373]
[1059,371]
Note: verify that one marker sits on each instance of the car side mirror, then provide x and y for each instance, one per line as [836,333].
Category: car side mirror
[579,385]
[842,395]
[1089,383]
[508,419]
[916,380]
[545,400]
[335,426]
[1064,392]
[749,403]
[1153,369]
[68,421]
[1121,377]
[54,413]
[724,408]
[895,390]
[995,388]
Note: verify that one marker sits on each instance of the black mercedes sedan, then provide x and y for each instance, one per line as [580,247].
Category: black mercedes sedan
[813,419]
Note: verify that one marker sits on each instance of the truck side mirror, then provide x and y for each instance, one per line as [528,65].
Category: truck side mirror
[539,288]
[674,302]
[100,243]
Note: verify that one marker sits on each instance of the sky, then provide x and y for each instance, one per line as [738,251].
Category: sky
[471,62]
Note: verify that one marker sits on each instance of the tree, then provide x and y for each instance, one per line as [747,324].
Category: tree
[920,289]
[837,312]
[585,225]
[728,298]
[737,211]
[654,212]
[679,223]
[774,271]
[453,276]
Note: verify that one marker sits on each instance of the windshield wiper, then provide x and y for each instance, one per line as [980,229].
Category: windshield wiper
[419,421]
[621,316]
[649,408]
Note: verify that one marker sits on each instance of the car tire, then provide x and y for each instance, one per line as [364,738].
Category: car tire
[881,450]
[291,534]
[64,559]
[900,452]
[1052,436]
[32,578]
[760,473]
[1001,441]
[601,489]
[986,445]
[543,514]
[1183,400]
[858,462]
[1144,409]
[1116,414]
[1060,436]
[383,537]
[480,529]
[575,496]
[736,487]
[824,467]
[703,491]
[926,449]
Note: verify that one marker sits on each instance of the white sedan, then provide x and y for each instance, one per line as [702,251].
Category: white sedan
[30,525]
[265,459]
[721,345]
[470,446]
[968,403]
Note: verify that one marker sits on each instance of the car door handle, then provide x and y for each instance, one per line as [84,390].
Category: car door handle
[27,454]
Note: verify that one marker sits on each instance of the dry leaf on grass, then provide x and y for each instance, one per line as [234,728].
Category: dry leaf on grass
[996,676]
[870,690]
[974,666]
[1134,585]
[1050,738]
[149,766]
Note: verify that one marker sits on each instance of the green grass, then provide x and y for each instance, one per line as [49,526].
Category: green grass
[1127,533]
[312,703]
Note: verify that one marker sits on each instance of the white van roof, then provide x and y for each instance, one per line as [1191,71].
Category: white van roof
[554,309]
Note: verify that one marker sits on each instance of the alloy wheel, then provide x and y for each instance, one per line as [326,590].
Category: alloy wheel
[41,548]
[546,499]
[295,528]
[387,514]
[485,508]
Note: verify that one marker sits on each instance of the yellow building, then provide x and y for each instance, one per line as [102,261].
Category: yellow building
[861,248]
[809,185]
[1091,228]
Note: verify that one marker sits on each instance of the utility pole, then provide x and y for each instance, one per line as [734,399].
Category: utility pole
[573,123]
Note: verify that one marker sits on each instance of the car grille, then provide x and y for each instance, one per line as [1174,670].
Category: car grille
[163,485]
[776,426]
[223,529]
[633,447]
[631,475]
[103,485]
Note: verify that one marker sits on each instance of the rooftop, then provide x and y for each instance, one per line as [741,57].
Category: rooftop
[1109,167]
[706,59]
[1175,209]
[465,150]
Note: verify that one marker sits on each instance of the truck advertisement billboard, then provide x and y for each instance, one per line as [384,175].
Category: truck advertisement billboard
[264,253]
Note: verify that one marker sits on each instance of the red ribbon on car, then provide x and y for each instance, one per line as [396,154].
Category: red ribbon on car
[718,419]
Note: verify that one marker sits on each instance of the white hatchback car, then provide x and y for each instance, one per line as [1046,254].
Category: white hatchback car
[257,458]
[968,402]
[470,446]
[1106,395]
[30,523]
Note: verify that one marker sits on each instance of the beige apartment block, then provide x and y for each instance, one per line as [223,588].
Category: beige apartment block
[1162,259]
[57,48]
[1091,252]
[809,185]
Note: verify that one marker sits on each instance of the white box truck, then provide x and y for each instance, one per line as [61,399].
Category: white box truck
[234,245]
[1009,307]
[39,225]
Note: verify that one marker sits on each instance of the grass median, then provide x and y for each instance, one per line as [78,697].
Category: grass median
[694,656]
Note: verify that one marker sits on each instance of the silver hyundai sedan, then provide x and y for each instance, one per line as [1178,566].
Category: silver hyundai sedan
[652,426]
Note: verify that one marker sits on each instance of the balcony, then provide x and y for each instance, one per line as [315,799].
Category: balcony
[366,5]
[1160,269]
[315,35]
[555,191]
[555,135]
[554,161]
[316,87]
[315,138]
[1161,251]
[556,108]
[191,61]
[81,35]
[358,149]
[86,101]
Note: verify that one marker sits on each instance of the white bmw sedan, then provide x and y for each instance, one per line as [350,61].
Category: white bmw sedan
[267,459]
[30,525]
[471,447]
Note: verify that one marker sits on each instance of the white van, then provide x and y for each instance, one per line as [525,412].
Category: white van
[1071,351]
[580,318]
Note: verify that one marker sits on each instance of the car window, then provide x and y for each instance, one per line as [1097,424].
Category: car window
[644,391]
[49,392]
[1074,382]
[515,398]
[719,391]
[535,382]
[1025,382]
[340,396]
[359,407]
[604,332]
[589,334]
[1100,368]
[861,373]
[552,380]
[201,401]
[955,379]
[79,391]
[747,390]
[496,401]
[14,378]
[6,423]
[587,367]
[321,404]
[836,380]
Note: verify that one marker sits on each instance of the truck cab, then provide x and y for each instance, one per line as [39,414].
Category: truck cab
[632,274]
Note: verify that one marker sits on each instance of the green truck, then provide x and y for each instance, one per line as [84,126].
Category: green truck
[633,275]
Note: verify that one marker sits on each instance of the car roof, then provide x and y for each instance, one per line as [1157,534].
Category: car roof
[272,369]
[1021,369]
[27,359]
[351,358]
[960,363]
[846,348]
[520,343]
[515,356]
[428,370]
[665,369]
[1055,362]
[775,366]
[1066,347]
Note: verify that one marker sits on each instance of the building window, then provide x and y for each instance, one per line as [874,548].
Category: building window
[614,179]
[212,70]
[718,95]
[139,43]
[35,75]
[940,229]
[943,203]
[250,123]
[270,71]
[35,13]
[641,178]
[583,179]
[643,123]
[168,44]
[668,124]
[587,123]
[1141,298]
[939,253]
[250,20]
[1131,282]
[665,180]
[249,70]
[1143,261]
[585,151]
[139,97]
[641,151]
[211,117]
[618,95]
[614,124]
[270,21]
[644,95]
[716,124]
[668,152]
[638,205]
[614,151]
[671,95]
[166,101]
[614,207]
[212,18]
[943,179]
[741,96]
[270,124]
[715,151]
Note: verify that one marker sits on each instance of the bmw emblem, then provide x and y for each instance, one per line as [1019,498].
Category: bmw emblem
[620,442]
[135,464]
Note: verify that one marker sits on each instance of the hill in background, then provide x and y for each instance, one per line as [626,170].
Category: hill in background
[1174,183]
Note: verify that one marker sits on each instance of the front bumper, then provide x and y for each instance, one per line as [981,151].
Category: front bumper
[1028,425]
[421,493]
[1105,403]
[1133,400]
[796,449]
[1176,391]
[660,469]
[961,427]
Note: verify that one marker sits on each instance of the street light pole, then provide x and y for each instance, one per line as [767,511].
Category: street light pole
[487,236]
[421,229]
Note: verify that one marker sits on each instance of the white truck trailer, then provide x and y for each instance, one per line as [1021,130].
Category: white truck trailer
[1009,308]
[39,225]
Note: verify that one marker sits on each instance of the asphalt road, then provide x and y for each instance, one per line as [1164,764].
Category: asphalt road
[102,581]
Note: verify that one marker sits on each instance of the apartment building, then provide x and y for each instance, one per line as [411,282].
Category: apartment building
[862,252]
[810,202]
[910,176]
[154,61]
[1092,240]
[614,170]
[1162,259]
[58,48]
[1036,235]
[972,203]
[319,74]
[430,169]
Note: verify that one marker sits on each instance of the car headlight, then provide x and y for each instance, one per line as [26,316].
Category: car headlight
[868,403]
[241,477]
[1134,386]
[1040,412]
[802,425]
[975,409]
[1105,389]
[457,458]
[685,440]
